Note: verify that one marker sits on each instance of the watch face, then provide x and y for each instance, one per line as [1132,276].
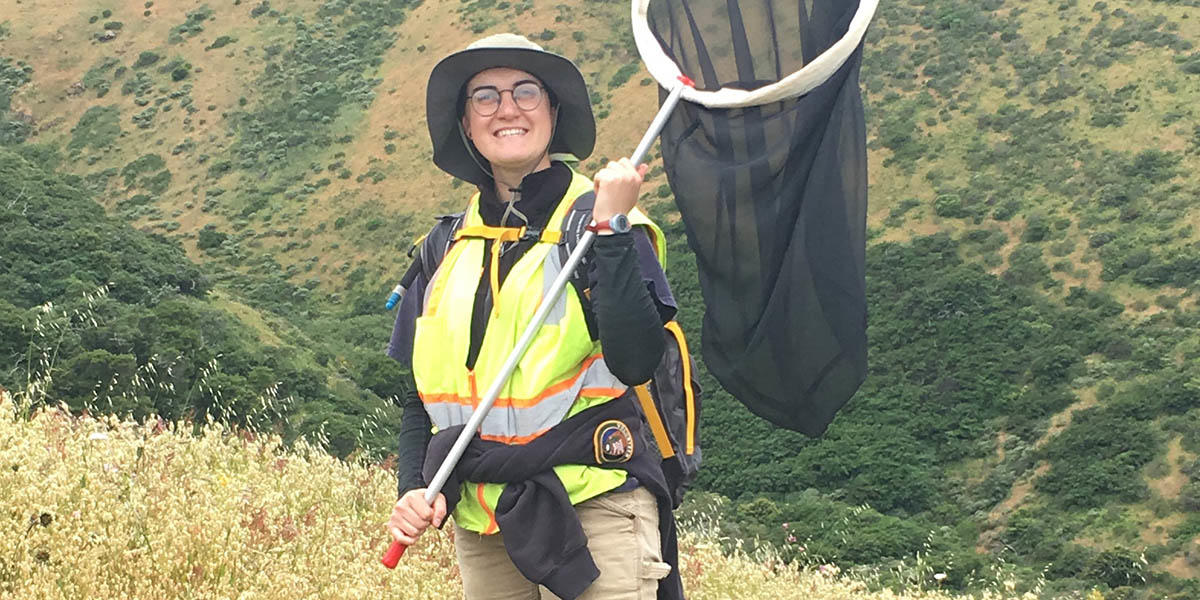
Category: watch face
[619,223]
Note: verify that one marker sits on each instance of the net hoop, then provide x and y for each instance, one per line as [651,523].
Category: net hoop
[666,72]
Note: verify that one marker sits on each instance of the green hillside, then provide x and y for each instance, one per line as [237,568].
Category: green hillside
[103,317]
[1033,409]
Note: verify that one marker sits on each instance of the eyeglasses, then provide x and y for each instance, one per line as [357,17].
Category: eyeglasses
[486,100]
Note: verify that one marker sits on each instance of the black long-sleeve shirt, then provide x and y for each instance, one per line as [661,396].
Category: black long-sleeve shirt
[630,300]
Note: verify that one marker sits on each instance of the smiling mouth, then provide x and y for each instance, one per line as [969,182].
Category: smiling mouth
[511,132]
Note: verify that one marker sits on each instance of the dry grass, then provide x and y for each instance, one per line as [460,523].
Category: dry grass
[105,508]
[1169,485]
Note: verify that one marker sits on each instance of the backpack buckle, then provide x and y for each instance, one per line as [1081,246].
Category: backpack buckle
[532,234]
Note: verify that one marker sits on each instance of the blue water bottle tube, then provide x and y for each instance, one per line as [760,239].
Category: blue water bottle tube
[395,297]
[398,291]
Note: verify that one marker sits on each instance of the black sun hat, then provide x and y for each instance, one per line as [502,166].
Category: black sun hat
[575,132]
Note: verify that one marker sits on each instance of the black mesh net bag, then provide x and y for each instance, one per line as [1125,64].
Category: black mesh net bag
[767,161]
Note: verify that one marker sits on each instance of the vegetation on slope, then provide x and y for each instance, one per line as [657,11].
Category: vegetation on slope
[101,508]
[100,316]
[1034,394]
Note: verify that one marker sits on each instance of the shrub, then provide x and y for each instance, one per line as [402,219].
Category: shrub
[219,169]
[1026,267]
[1116,567]
[1189,496]
[145,119]
[158,183]
[146,59]
[622,75]
[97,128]
[209,238]
[1007,209]
[143,164]
[1037,227]
[221,42]
[1101,238]
[192,26]
[950,206]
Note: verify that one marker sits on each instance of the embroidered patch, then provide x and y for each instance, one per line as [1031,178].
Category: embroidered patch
[613,442]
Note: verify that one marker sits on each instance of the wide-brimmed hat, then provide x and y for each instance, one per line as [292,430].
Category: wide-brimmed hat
[574,133]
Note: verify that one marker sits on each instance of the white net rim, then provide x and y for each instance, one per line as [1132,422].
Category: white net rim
[666,72]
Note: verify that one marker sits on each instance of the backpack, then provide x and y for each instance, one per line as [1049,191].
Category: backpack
[670,401]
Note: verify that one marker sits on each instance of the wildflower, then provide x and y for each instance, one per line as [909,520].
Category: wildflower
[98,436]
[939,576]
[791,539]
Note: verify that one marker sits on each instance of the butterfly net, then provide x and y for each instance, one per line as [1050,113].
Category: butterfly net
[767,160]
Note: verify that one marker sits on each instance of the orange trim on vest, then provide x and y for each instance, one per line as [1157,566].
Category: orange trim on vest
[513,440]
[601,391]
[518,402]
[492,526]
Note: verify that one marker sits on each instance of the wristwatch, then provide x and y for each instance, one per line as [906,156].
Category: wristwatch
[619,223]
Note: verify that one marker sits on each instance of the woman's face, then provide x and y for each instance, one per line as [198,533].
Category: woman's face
[512,138]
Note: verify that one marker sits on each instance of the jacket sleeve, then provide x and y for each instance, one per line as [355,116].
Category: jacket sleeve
[414,424]
[629,305]
[415,433]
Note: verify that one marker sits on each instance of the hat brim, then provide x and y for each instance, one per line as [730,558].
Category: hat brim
[575,131]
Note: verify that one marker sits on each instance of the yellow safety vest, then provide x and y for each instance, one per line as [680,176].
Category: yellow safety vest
[562,373]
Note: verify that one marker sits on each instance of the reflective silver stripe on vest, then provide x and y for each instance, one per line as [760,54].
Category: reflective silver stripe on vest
[512,422]
[551,267]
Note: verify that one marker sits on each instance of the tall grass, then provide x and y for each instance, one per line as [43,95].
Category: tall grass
[100,507]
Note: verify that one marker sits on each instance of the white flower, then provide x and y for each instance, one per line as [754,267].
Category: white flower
[98,436]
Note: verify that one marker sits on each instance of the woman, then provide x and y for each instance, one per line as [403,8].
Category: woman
[559,494]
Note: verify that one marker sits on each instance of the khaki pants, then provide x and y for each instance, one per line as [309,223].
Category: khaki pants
[622,531]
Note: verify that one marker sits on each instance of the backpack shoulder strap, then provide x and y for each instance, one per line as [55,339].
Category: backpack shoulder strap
[434,245]
[573,225]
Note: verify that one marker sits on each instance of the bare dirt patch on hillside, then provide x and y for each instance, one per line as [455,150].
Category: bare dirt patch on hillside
[1060,421]
[1169,486]
[998,516]
[1184,566]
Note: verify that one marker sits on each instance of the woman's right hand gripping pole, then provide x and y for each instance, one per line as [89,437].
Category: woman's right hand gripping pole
[411,516]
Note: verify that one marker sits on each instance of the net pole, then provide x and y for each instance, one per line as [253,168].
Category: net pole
[396,550]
